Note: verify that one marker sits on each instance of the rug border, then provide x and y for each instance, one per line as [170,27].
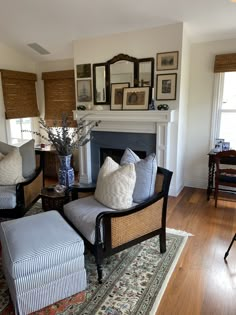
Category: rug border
[169,274]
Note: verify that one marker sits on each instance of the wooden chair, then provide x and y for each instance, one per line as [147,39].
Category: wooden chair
[225,175]
[116,230]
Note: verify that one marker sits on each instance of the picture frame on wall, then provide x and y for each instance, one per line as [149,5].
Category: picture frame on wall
[117,95]
[84,90]
[136,98]
[166,86]
[167,61]
[83,71]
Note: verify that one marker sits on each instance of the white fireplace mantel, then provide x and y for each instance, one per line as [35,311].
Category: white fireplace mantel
[155,122]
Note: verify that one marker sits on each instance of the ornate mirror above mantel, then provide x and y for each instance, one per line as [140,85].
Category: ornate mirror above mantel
[121,68]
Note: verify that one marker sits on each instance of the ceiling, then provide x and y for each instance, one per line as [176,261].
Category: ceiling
[54,24]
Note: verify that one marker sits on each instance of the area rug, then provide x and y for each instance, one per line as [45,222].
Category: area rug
[134,281]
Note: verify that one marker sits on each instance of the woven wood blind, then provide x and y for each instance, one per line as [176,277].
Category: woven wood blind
[225,63]
[59,91]
[19,93]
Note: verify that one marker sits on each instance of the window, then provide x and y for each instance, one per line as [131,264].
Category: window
[15,126]
[224,114]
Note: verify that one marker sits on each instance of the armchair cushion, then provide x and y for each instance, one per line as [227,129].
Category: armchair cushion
[115,185]
[7,197]
[83,213]
[11,168]
[27,153]
[146,170]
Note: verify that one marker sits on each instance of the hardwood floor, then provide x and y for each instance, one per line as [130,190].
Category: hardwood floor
[202,282]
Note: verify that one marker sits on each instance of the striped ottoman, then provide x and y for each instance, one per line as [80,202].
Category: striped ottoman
[43,260]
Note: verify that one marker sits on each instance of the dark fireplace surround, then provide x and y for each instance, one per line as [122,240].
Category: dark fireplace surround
[113,144]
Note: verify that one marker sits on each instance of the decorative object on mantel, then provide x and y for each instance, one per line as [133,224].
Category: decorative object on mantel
[117,95]
[152,103]
[163,107]
[81,107]
[136,98]
[65,140]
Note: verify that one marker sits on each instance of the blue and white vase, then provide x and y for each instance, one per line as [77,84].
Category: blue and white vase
[66,175]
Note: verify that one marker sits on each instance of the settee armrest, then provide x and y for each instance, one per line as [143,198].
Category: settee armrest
[147,218]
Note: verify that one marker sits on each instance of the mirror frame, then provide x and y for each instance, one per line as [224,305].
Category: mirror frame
[111,61]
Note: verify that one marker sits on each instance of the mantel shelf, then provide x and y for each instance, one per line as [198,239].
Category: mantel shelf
[126,116]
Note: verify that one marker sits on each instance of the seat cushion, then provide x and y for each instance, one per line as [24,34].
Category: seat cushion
[27,153]
[39,242]
[82,213]
[7,197]
[115,185]
[146,170]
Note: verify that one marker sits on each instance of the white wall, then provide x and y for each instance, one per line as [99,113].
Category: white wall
[200,108]
[11,60]
[183,111]
[140,44]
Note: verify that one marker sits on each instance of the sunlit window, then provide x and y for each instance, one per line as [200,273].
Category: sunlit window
[227,109]
[14,130]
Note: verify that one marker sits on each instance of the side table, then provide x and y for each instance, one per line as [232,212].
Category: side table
[52,200]
[81,188]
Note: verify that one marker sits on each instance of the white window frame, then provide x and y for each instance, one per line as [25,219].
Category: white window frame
[217,107]
[11,139]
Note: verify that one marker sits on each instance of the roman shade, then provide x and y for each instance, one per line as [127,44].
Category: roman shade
[19,93]
[59,91]
[225,63]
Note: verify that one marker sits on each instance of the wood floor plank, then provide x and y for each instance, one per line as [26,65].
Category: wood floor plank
[202,283]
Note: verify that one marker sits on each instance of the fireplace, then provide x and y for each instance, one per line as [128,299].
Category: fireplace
[147,131]
[114,144]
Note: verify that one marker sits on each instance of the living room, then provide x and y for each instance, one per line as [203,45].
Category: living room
[191,136]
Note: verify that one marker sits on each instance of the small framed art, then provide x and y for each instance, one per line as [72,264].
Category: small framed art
[218,145]
[83,71]
[167,61]
[84,90]
[117,95]
[166,86]
[225,146]
[136,98]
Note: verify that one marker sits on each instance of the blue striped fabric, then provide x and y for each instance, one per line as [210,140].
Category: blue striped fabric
[43,260]
[38,242]
[7,197]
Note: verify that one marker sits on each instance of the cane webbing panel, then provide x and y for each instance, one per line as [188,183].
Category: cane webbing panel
[19,94]
[59,89]
[130,227]
[159,183]
[225,63]
[32,190]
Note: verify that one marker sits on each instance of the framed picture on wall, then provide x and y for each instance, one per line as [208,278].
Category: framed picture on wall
[136,98]
[84,90]
[166,86]
[83,71]
[117,95]
[167,61]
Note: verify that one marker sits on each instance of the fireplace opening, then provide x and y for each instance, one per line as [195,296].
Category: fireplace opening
[114,144]
[116,154]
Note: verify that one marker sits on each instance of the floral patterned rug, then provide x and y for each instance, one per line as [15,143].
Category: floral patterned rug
[134,281]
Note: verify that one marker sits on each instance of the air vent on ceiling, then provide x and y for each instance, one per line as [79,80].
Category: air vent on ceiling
[39,49]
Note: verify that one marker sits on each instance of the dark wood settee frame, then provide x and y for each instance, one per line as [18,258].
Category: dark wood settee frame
[123,229]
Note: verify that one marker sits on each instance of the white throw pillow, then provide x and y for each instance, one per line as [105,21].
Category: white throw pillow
[115,185]
[11,168]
